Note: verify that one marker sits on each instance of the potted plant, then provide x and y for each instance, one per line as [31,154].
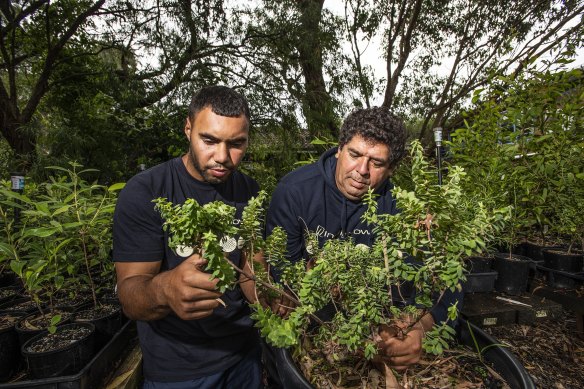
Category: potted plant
[64,234]
[518,145]
[423,246]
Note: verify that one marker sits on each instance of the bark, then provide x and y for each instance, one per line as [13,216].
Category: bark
[317,103]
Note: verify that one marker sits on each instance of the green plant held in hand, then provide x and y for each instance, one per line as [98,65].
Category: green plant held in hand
[423,246]
[202,228]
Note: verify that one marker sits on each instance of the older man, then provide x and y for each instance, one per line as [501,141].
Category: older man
[325,198]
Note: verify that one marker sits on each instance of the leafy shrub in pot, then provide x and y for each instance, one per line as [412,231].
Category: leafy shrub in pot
[64,352]
[424,246]
[64,235]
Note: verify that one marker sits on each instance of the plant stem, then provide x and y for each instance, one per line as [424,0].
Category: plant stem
[267,285]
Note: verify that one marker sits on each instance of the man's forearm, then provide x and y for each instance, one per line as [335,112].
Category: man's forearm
[142,297]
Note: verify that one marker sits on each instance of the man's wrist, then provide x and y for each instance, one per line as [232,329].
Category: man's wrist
[427,322]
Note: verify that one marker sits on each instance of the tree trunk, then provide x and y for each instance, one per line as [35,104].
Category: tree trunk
[21,141]
[317,103]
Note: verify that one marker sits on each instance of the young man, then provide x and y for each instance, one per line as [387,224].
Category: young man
[325,198]
[188,339]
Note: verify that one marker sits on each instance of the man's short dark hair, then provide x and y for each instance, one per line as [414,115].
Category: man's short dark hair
[223,101]
[376,124]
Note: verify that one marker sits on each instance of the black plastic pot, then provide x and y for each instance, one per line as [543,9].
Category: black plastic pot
[479,264]
[63,361]
[479,282]
[503,360]
[9,347]
[283,371]
[535,251]
[24,334]
[513,273]
[105,326]
[95,372]
[7,278]
[19,304]
[559,260]
[9,293]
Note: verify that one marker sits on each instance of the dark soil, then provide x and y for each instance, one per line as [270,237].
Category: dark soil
[551,351]
[23,306]
[38,321]
[58,340]
[8,320]
[459,367]
[96,312]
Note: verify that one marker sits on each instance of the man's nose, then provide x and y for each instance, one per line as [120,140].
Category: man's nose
[363,167]
[221,154]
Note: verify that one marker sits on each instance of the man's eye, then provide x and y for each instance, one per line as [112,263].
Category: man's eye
[208,141]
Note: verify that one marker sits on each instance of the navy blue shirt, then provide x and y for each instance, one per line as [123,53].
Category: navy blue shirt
[308,199]
[174,349]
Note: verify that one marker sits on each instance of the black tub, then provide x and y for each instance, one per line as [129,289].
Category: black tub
[284,373]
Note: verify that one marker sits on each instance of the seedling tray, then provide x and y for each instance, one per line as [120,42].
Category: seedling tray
[92,376]
[540,309]
[485,310]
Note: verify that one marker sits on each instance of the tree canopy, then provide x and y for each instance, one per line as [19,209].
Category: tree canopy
[107,82]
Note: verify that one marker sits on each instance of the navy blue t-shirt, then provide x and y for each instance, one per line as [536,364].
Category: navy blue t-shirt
[308,199]
[174,349]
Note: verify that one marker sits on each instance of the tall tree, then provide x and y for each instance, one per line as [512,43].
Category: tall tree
[160,49]
[34,36]
[301,42]
[472,40]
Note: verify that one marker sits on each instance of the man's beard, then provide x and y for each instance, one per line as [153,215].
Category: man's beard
[204,172]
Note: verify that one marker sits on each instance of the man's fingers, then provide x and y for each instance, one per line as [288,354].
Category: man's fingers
[202,280]
[197,260]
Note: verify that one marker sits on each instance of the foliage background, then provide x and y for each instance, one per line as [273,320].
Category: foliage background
[106,83]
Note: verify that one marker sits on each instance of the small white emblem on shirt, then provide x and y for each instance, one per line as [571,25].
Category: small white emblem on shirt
[228,243]
[184,251]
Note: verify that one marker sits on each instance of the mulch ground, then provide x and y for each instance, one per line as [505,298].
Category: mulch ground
[551,351]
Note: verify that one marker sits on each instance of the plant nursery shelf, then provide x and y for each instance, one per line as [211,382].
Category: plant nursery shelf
[569,299]
[115,356]
[494,309]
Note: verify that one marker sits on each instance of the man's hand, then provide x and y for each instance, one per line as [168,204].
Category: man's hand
[148,294]
[399,349]
[281,305]
[189,291]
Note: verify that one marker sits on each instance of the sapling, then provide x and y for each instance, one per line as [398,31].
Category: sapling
[424,246]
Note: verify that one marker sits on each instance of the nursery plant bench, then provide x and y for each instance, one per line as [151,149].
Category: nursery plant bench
[496,309]
[569,299]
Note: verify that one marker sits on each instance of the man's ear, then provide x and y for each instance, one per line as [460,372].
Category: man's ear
[338,152]
[188,128]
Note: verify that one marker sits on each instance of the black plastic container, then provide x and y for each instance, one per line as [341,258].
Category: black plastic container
[9,348]
[19,304]
[534,251]
[479,282]
[7,278]
[105,325]
[62,361]
[283,371]
[95,372]
[25,333]
[9,293]
[513,273]
[559,260]
[479,264]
